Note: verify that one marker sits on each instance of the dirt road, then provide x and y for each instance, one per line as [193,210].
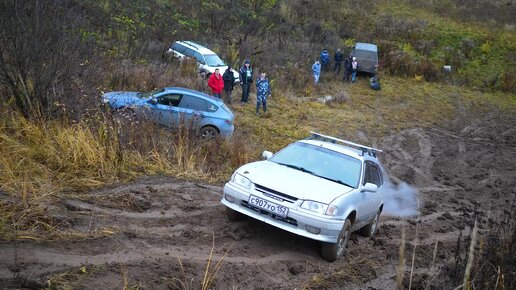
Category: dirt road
[164,229]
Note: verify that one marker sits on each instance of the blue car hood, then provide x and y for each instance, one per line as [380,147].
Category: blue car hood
[121,95]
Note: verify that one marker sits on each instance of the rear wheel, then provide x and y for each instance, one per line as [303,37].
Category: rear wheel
[233,215]
[209,132]
[332,251]
[370,229]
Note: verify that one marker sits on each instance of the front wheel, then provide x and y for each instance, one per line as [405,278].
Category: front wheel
[209,132]
[332,251]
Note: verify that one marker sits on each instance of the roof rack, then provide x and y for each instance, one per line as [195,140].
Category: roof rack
[191,43]
[369,150]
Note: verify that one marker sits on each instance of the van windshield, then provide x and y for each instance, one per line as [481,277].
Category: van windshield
[214,60]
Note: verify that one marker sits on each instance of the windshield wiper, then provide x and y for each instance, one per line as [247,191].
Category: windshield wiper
[297,167]
[334,180]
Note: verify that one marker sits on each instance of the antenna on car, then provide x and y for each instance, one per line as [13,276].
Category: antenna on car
[365,149]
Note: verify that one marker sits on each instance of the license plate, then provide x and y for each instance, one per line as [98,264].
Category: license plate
[274,208]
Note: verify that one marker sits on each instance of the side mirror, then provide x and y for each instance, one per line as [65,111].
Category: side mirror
[266,155]
[152,101]
[370,187]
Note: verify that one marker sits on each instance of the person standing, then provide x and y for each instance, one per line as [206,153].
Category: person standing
[325,59]
[354,69]
[347,68]
[316,69]
[338,58]
[246,78]
[229,80]
[263,91]
[216,83]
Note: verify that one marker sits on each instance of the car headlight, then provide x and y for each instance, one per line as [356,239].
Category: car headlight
[320,207]
[105,99]
[242,180]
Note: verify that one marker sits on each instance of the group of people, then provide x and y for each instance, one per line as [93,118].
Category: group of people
[225,82]
[323,64]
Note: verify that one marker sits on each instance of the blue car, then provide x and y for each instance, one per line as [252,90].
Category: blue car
[171,107]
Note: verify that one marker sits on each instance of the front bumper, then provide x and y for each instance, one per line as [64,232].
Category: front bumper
[296,222]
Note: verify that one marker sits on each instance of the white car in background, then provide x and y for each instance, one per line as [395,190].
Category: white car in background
[322,188]
[207,60]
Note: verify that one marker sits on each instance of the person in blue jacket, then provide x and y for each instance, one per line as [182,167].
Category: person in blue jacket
[325,59]
[263,91]
[316,69]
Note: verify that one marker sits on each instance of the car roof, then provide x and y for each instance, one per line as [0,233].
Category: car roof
[195,46]
[193,92]
[350,151]
[366,46]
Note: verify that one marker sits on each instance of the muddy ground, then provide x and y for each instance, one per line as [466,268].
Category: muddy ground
[164,228]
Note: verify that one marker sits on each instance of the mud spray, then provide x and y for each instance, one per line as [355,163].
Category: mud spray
[400,200]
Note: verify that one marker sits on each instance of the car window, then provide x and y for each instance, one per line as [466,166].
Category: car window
[211,107]
[178,47]
[188,52]
[372,174]
[194,103]
[214,60]
[199,57]
[170,100]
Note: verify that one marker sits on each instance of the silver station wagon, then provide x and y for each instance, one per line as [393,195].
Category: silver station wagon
[322,188]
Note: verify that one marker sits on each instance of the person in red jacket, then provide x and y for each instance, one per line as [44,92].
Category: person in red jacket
[216,83]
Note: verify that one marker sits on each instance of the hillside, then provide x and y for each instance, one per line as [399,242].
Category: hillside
[88,204]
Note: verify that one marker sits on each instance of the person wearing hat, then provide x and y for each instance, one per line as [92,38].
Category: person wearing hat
[354,68]
[246,78]
[229,80]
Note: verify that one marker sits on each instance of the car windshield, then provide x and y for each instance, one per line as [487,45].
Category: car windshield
[321,162]
[148,94]
[214,60]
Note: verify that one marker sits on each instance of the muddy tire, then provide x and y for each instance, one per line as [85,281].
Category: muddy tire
[370,229]
[209,132]
[332,251]
[234,215]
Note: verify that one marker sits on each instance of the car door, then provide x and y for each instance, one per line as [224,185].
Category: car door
[369,201]
[193,110]
[165,110]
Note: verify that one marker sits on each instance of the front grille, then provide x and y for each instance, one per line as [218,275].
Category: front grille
[275,194]
[261,211]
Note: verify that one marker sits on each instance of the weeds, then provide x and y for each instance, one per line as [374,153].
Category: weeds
[354,271]
[489,261]
[210,272]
